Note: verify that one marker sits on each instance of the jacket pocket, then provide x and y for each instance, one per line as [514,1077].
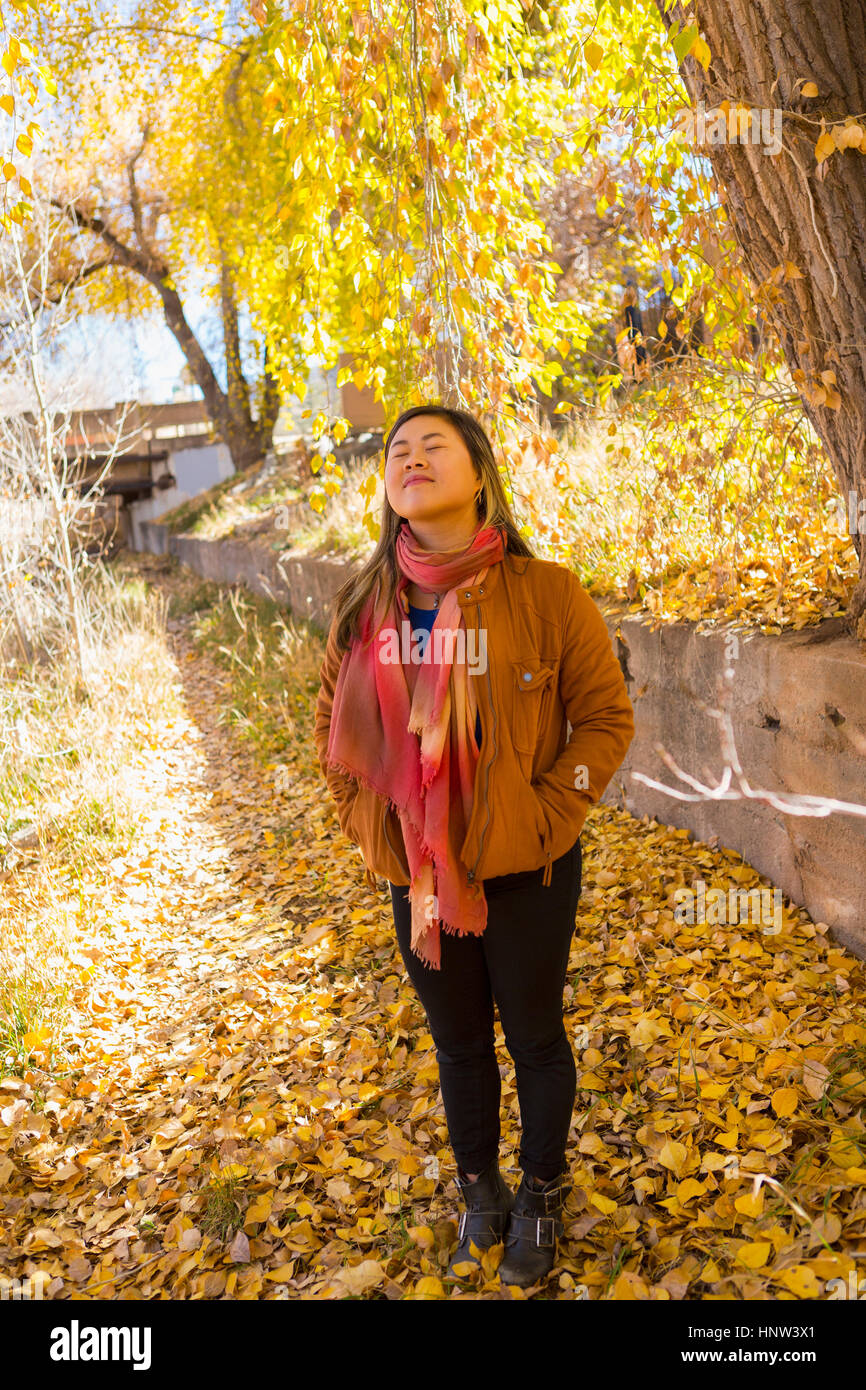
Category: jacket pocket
[399,852]
[371,828]
[532,685]
[528,839]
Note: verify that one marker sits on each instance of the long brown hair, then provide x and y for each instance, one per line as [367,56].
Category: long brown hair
[493,510]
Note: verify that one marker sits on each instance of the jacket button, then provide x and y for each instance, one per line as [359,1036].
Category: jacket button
[527,675]
[468,593]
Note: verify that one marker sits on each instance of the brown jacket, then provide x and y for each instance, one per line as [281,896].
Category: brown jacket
[549,662]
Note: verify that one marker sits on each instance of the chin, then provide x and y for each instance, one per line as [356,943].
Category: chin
[413,508]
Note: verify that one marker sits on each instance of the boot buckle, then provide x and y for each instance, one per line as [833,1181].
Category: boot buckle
[548,1225]
[461,1226]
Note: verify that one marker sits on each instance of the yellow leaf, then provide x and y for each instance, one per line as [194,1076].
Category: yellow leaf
[491,1258]
[847,136]
[729,1139]
[357,1279]
[809,89]
[784,1101]
[7,104]
[690,1188]
[629,1286]
[281,1275]
[42,1238]
[590,1081]
[700,49]
[593,53]
[750,1203]
[754,1256]
[423,1236]
[815,1077]
[604,1204]
[429,1287]
[825,146]
[800,1280]
[24,144]
[673,1156]
[842,1152]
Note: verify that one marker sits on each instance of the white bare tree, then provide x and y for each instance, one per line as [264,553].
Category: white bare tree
[46,516]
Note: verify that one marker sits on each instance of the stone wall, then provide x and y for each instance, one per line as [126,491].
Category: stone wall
[798,711]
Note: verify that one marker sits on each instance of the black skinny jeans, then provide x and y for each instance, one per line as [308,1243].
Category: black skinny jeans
[519,962]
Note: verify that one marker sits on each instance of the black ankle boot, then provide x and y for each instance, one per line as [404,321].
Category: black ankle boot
[532,1230]
[488,1202]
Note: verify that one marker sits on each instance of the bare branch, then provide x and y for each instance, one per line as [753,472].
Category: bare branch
[793,804]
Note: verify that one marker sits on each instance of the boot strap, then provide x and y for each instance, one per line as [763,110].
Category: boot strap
[553,1199]
[558,1194]
[541,1229]
[479,1211]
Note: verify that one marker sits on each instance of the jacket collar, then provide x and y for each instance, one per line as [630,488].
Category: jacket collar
[500,573]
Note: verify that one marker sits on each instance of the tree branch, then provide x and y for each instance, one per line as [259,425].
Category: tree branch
[793,804]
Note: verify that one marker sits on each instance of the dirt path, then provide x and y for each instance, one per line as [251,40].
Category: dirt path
[256,1111]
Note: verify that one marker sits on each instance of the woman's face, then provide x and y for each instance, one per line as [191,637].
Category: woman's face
[429,472]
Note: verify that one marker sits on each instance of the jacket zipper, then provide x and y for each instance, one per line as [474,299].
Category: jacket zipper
[470,873]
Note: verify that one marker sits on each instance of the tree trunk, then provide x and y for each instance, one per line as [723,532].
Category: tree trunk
[229,411]
[782,208]
[248,438]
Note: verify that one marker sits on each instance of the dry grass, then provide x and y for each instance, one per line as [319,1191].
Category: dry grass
[65,805]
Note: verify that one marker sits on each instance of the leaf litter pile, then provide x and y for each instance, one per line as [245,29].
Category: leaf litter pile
[248,1104]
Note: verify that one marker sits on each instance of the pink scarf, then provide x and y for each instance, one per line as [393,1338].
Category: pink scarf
[375,729]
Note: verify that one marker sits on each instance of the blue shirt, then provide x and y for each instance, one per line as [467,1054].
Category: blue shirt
[425,618]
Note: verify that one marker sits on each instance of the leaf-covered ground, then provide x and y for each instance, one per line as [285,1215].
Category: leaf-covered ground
[251,1104]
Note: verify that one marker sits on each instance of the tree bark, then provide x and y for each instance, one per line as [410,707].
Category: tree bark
[782,208]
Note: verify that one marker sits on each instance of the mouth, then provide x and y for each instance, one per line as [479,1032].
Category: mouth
[419,478]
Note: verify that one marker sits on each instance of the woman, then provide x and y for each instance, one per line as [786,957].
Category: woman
[454,661]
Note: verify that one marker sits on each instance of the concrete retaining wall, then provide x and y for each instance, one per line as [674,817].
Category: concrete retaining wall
[797,705]
[798,713]
[304,584]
